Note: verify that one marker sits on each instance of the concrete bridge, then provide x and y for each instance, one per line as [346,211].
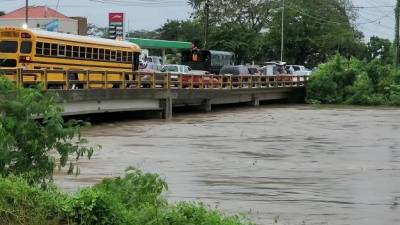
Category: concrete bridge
[87,92]
[76,102]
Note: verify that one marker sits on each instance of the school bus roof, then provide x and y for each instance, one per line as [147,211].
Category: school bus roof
[84,39]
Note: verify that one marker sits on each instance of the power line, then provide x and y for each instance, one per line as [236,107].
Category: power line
[141,3]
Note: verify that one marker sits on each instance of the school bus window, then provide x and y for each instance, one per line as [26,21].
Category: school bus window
[75,51]
[26,47]
[39,48]
[101,54]
[8,46]
[119,56]
[68,51]
[130,56]
[107,55]
[61,50]
[113,55]
[96,53]
[124,56]
[54,49]
[89,53]
[46,49]
[82,52]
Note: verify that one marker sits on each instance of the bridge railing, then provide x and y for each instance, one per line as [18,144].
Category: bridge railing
[88,79]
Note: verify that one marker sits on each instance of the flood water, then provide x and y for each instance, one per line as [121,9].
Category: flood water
[294,164]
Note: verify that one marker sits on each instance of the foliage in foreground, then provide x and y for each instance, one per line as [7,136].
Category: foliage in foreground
[31,127]
[351,81]
[135,199]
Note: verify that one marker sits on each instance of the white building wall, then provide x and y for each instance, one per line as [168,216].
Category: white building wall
[69,26]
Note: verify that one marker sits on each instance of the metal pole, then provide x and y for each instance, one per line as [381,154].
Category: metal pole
[396,37]
[26,12]
[206,25]
[283,20]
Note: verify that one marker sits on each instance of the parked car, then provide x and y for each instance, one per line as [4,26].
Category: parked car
[175,68]
[254,70]
[238,70]
[299,70]
[198,77]
[149,67]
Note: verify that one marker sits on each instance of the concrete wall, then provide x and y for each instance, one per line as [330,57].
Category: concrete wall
[65,25]
[82,25]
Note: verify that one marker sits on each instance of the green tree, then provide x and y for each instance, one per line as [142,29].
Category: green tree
[254,14]
[144,34]
[31,128]
[182,30]
[244,42]
[2,13]
[379,48]
[314,31]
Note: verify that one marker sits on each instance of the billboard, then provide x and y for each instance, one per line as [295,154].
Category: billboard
[115,25]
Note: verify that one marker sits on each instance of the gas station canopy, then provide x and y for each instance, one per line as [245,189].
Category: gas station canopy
[160,44]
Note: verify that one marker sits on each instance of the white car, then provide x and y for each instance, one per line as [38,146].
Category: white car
[299,70]
[176,69]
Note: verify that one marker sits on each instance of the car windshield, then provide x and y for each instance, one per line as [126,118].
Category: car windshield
[169,69]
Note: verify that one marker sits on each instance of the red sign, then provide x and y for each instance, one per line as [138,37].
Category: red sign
[116,17]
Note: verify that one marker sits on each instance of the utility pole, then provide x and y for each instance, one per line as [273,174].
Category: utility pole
[206,24]
[282,32]
[26,12]
[396,37]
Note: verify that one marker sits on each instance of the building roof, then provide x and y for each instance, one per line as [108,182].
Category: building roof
[34,12]
[160,44]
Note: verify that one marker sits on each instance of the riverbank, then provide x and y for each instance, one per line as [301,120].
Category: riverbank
[136,198]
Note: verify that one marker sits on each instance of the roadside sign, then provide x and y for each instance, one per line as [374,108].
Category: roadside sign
[115,25]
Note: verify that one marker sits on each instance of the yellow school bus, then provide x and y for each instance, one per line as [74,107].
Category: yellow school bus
[33,49]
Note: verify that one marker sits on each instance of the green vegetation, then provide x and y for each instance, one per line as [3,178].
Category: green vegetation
[351,81]
[26,141]
[135,199]
[252,30]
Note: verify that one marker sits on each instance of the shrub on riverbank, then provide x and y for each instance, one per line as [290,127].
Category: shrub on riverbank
[135,199]
[351,81]
[30,128]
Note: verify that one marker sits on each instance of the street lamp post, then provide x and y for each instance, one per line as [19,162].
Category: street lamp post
[26,12]
[26,15]
[282,31]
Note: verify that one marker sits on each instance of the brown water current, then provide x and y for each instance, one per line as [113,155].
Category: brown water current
[294,164]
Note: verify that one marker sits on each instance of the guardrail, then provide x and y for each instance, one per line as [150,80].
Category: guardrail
[88,79]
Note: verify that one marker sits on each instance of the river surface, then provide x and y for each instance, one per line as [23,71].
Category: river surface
[277,164]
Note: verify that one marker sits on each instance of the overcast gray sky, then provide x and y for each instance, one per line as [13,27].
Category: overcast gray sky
[377,18]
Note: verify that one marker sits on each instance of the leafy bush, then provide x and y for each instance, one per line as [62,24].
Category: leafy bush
[136,189]
[24,204]
[134,199]
[351,81]
[30,127]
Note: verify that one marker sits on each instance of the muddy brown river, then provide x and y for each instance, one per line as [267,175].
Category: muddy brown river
[276,164]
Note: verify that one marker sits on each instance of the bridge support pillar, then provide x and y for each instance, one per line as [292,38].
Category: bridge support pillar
[166,106]
[206,105]
[255,101]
